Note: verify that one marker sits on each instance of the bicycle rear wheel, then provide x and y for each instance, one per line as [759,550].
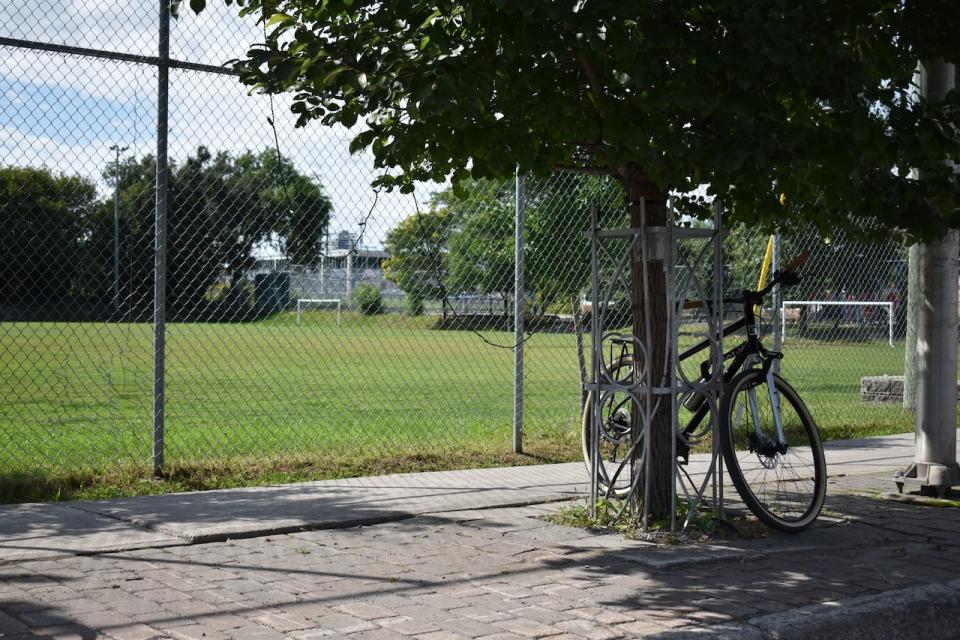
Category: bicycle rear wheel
[615,413]
[782,483]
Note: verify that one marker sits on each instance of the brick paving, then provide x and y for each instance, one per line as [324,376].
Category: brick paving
[496,574]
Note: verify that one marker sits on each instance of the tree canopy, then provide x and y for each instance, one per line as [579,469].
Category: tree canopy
[785,110]
[220,208]
[416,248]
[464,243]
[43,218]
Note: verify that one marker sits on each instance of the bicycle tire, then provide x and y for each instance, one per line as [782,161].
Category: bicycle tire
[612,430]
[799,491]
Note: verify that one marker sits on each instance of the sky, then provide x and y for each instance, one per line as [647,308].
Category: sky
[64,112]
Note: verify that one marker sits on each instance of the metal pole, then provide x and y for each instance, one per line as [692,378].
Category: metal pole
[936,426]
[783,320]
[350,277]
[912,301]
[890,324]
[116,226]
[160,240]
[518,298]
[912,318]
[596,353]
[718,355]
[777,299]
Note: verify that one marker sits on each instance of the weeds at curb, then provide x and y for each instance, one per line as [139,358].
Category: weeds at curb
[705,526]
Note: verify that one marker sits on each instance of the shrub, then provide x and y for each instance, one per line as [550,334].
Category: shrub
[367,299]
[414,305]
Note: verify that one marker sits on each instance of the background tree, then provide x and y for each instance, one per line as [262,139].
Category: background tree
[557,260]
[755,98]
[43,219]
[137,185]
[469,232]
[481,257]
[220,209]
[417,248]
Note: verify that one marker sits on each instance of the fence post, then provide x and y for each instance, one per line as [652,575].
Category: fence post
[777,301]
[116,229]
[518,298]
[160,238]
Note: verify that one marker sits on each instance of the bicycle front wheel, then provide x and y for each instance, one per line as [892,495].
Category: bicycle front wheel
[782,480]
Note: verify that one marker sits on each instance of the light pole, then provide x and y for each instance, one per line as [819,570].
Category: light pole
[116,227]
[935,466]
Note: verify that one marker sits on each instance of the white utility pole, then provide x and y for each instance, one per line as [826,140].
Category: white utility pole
[935,461]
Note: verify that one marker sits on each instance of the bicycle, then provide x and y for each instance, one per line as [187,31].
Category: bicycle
[771,448]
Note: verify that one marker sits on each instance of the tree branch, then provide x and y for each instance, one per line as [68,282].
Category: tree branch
[594,146]
[589,68]
[591,170]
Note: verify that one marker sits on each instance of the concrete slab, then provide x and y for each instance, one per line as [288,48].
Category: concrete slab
[41,531]
[869,455]
[236,513]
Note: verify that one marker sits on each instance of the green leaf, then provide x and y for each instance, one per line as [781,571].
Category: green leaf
[332,75]
[276,18]
[348,117]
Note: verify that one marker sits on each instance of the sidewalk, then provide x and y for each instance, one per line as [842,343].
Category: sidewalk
[50,530]
[451,555]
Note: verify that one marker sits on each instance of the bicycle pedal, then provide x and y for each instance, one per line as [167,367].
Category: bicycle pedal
[683,453]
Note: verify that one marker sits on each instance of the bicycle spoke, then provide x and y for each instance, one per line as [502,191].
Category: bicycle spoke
[776,467]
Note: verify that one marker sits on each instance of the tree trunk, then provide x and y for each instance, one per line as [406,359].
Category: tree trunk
[660,446]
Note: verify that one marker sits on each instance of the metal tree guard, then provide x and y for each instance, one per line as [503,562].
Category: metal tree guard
[623,398]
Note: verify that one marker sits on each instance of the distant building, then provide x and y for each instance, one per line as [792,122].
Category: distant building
[342,266]
[345,240]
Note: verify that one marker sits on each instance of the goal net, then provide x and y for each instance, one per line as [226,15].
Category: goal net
[833,318]
[305,305]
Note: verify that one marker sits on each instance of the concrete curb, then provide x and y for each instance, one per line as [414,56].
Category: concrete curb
[929,611]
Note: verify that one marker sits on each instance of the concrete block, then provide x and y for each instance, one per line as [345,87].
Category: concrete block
[884,389]
[881,389]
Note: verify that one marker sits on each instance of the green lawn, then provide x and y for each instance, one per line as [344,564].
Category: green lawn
[273,401]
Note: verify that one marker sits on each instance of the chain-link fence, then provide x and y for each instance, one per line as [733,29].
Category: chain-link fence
[305,320]
[842,325]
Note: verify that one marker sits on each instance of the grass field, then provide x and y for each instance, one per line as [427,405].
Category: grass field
[273,401]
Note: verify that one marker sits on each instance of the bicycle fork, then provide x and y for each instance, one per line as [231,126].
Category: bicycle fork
[775,408]
[761,443]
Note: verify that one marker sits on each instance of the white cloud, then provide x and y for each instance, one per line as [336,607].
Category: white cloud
[64,112]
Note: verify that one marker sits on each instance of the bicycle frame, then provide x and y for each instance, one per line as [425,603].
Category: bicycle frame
[740,355]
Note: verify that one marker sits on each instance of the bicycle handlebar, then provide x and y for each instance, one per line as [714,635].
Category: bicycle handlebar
[787,278]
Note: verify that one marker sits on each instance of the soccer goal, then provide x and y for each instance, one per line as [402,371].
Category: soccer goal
[306,303]
[854,311]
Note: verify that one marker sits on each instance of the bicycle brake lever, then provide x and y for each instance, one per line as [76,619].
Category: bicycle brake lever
[789,278]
